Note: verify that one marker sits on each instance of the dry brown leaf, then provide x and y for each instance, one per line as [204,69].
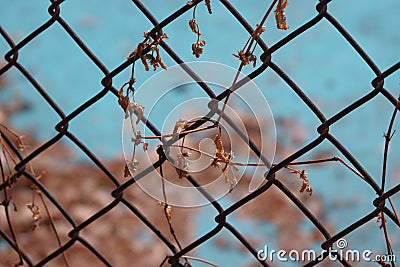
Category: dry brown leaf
[181,173]
[159,60]
[140,49]
[193,26]
[123,101]
[280,16]
[159,39]
[305,186]
[253,59]
[36,215]
[219,149]
[197,48]
[241,56]
[154,61]
[246,58]
[133,53]
[145,146]
[208,4]
[126,171]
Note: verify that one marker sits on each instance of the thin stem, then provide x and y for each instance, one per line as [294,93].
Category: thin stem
[180,133]
[388,136]
[386,234]
[194,11]
[167,213]
[394,210]
[6,203]
[306,162]
[200,260]
[197,25]
[335,158]
[132,81]
[163,184]
[195,150]
[253,37]
[53,226]
[229,92]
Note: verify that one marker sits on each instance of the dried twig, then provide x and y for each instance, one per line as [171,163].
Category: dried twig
[200,260]
[388,137]
[53,225]
[306,187]
[197,46]
[154,60]
[131,108]
[168,213]
[207,2]
[246,54]
[6,203]
[33,207]
[280,16]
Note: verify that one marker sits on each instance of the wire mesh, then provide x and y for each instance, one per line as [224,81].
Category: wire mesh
[380,203]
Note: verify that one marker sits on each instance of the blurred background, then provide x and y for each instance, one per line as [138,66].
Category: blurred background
[320,61]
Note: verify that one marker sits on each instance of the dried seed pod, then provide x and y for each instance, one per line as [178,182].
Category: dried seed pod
[280,16]
[168,211]
[194,27]
[219,149]
[197,48]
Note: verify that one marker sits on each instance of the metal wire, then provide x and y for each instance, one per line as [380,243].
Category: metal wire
[379,204]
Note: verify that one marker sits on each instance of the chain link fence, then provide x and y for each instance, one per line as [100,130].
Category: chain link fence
[382,207]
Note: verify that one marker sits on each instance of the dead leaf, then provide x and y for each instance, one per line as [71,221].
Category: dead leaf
[280,16]
[305,186]
[193,26]
[219,149]
[197,48]
[181,173]
[145,146]
[123,101]
[246,58]
[208,4]
[159,60]
[159,39]
[179,125]
[126,171]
